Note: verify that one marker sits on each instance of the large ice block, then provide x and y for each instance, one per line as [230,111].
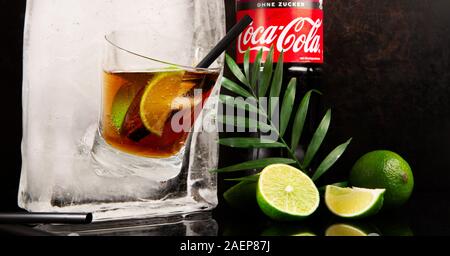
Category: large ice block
[63,47]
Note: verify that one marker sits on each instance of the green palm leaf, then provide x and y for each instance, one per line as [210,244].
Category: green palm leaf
[299,121]
[256,69]
[275,88]
[236,70]
[248,104]
[330,160]
[255,164]
[247,63]
[251,178]
[317,139]
[234,87]
[245,123]
[288,103]
[250,143]
[267,74]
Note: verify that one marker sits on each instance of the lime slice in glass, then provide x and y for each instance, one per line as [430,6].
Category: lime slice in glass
[155,106]
[285,193]
[121,103]
[353,202]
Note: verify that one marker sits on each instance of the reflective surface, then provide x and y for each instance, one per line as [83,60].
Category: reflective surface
[201,224]
[425,215]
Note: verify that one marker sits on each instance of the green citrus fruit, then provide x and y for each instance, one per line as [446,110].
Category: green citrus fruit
[384,169]
[353,202]
[121,103]
[285,193]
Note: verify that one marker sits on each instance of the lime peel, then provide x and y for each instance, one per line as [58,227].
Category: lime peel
[285,193]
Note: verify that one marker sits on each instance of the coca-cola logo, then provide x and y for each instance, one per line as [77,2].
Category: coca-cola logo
[292,37]
[296,32]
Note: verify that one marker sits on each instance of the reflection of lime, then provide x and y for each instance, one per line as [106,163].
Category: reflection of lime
[157,99]
[384,169]
[286,193]
[353,202]
[287,230]
[242,195]
[348,230]
[305,234]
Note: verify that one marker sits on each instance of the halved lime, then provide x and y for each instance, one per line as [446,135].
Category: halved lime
[285,193]
[158,97]
[348,230]
[353,202]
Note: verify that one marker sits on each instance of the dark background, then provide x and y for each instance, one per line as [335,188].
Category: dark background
[12,16]
[387,79]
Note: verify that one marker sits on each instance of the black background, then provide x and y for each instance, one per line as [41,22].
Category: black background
[387,79]
[12,16]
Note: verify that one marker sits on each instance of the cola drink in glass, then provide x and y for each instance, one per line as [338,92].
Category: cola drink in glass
[140,109]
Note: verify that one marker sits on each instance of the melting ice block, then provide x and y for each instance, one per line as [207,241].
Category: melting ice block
[61,101]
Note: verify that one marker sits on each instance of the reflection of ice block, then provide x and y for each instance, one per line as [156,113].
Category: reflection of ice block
[61,99]
[198,224]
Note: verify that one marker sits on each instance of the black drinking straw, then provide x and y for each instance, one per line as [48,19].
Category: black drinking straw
[223,44]
[45,218]
[83,218]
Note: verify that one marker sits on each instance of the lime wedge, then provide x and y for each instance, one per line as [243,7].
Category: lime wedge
[353,202]
[285,193]
[346,230]
[157,99]
[121,103]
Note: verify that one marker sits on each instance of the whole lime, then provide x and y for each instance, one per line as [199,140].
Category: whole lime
[384,169]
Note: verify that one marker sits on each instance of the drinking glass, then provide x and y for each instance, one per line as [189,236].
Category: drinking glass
[151,98]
